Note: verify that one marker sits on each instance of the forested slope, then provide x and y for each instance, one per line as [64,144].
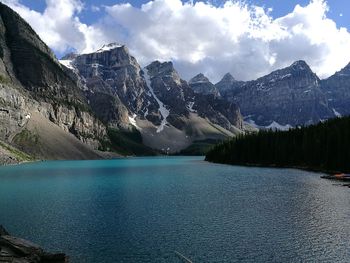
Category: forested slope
[324,147]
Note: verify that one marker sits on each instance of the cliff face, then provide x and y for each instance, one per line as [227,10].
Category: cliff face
[337,91]
[288,97]
[181,99]
[201,84]
[228,84]
[32,81]
[154,100]
[114,85]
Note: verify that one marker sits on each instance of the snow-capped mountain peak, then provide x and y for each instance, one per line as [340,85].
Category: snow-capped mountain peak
[109,47]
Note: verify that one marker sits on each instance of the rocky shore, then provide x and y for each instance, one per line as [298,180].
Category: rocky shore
[13,249]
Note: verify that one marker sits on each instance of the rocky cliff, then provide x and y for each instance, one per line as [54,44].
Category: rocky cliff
[154,100]
[201,84]
[32,81]
[287,97]
[337,91]
[228,84]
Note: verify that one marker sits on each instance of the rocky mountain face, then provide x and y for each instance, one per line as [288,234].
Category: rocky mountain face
[32,81]
[201,84]
[287,97]
[228,84]
[86,95]
[337,91]
[154,100]
[169,90]
[182,99]
[111,74]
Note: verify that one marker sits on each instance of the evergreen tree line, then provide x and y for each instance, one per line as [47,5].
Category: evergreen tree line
[323,147]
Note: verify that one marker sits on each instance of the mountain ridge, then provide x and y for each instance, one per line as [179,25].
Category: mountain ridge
[107,93]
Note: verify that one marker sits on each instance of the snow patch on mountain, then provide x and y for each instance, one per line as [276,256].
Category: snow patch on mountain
[67,63]
[337,114]
[108,47]
[162,109]
[190,106]
[273,126]
[276,126]
[132,121]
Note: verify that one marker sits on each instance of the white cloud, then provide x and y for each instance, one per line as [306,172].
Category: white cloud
[200,37]
[59,25]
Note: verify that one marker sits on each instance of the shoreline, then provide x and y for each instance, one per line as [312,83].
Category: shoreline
[14,249]
[303,168]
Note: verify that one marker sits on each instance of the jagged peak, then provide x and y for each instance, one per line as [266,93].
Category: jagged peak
[159,67]
[160,64]
[300,65]
[344,71]
[199,78]
[227,78]
[162,69]
[297,66]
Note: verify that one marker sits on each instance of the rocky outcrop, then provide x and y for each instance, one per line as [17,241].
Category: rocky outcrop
[337,91]
[113,76]
[180,98]
[291,96]
[201,84]
[228,84]
[32,80]
[219,111]
[152,99]
[167,86]
[13,249]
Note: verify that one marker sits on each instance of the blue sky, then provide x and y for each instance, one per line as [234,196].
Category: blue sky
[246,38]
[339,9]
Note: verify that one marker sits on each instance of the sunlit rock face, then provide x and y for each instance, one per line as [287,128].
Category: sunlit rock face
[32,80]
[291,96]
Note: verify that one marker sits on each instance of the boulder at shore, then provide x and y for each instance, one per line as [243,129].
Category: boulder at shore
[13,249]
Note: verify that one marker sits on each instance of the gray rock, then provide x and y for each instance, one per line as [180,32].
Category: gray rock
[13,249]
[201,84]
[228,84]
[337,91]
[32,80]
[289,96]
[181,99]
[112,74]
[3,231]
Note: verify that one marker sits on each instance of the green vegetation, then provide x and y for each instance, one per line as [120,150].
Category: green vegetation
[26,140]
[4,80]
[19,155]
[199,147]
[322,147]
[126,142]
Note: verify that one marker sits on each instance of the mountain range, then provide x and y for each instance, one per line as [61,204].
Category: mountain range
[95,105]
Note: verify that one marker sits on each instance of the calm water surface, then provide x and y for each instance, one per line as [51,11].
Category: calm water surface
[143,209]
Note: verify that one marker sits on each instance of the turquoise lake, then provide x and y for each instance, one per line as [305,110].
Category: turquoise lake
[144,209]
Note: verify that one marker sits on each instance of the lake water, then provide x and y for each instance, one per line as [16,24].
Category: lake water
[144,209]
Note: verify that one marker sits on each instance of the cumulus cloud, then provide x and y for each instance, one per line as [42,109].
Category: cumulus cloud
[59,25]
[201,37]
